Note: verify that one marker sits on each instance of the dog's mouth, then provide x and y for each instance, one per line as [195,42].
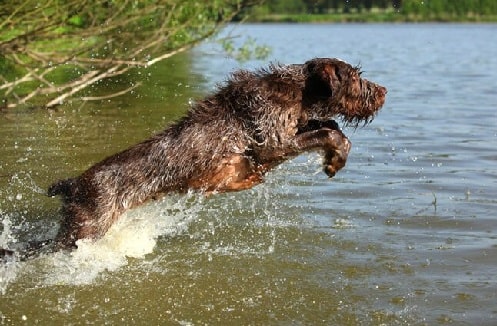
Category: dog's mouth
[318,124]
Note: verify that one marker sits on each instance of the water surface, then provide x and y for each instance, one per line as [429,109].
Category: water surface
[405,234]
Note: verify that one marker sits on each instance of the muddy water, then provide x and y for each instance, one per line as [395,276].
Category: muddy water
[404,235]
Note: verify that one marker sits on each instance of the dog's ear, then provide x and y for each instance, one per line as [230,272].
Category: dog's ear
[322,77]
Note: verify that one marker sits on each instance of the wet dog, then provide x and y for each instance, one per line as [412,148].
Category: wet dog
[225,142]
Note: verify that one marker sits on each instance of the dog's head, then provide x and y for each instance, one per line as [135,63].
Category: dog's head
[335,88]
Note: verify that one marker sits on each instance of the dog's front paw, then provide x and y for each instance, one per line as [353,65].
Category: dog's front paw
[334,160]
[337,162]
[330,170]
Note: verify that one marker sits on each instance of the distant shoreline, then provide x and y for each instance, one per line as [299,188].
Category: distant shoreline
[373,17]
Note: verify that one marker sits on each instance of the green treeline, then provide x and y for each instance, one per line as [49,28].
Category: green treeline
[376,10]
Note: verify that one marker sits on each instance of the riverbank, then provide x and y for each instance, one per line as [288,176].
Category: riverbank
[387,16]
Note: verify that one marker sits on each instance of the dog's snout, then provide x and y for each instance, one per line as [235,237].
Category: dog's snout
[382,90]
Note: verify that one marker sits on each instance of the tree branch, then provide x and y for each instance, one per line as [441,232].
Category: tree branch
[116,94]
[40,41]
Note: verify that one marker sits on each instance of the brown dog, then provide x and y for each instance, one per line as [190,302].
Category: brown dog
[226,142]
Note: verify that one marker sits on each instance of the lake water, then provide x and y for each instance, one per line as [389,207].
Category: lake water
[405,234]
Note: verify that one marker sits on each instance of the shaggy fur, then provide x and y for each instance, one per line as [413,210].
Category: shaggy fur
[226,142]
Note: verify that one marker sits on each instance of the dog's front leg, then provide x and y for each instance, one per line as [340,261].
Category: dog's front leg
[335,144]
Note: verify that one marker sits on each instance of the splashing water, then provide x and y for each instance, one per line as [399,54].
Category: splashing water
[8,270]
[6,235]
[133,236]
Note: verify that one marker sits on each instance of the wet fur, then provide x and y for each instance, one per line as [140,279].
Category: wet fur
[226,142]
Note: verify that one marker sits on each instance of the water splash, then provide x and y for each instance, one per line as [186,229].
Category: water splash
[136,234]
[133,236]
[9,268]
[26,181]
[6,235]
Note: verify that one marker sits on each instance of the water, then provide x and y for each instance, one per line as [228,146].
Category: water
[404,235]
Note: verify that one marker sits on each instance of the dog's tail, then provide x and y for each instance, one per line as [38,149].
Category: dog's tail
[62,187]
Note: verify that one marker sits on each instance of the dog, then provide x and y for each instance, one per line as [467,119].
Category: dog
[225,142]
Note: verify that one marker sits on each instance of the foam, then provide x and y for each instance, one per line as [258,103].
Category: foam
[6,235]
[9,269]
[133,236]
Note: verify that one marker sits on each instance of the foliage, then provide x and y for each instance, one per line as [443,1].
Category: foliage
[446,10]
[248,50]
[407,10]
[50,50]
